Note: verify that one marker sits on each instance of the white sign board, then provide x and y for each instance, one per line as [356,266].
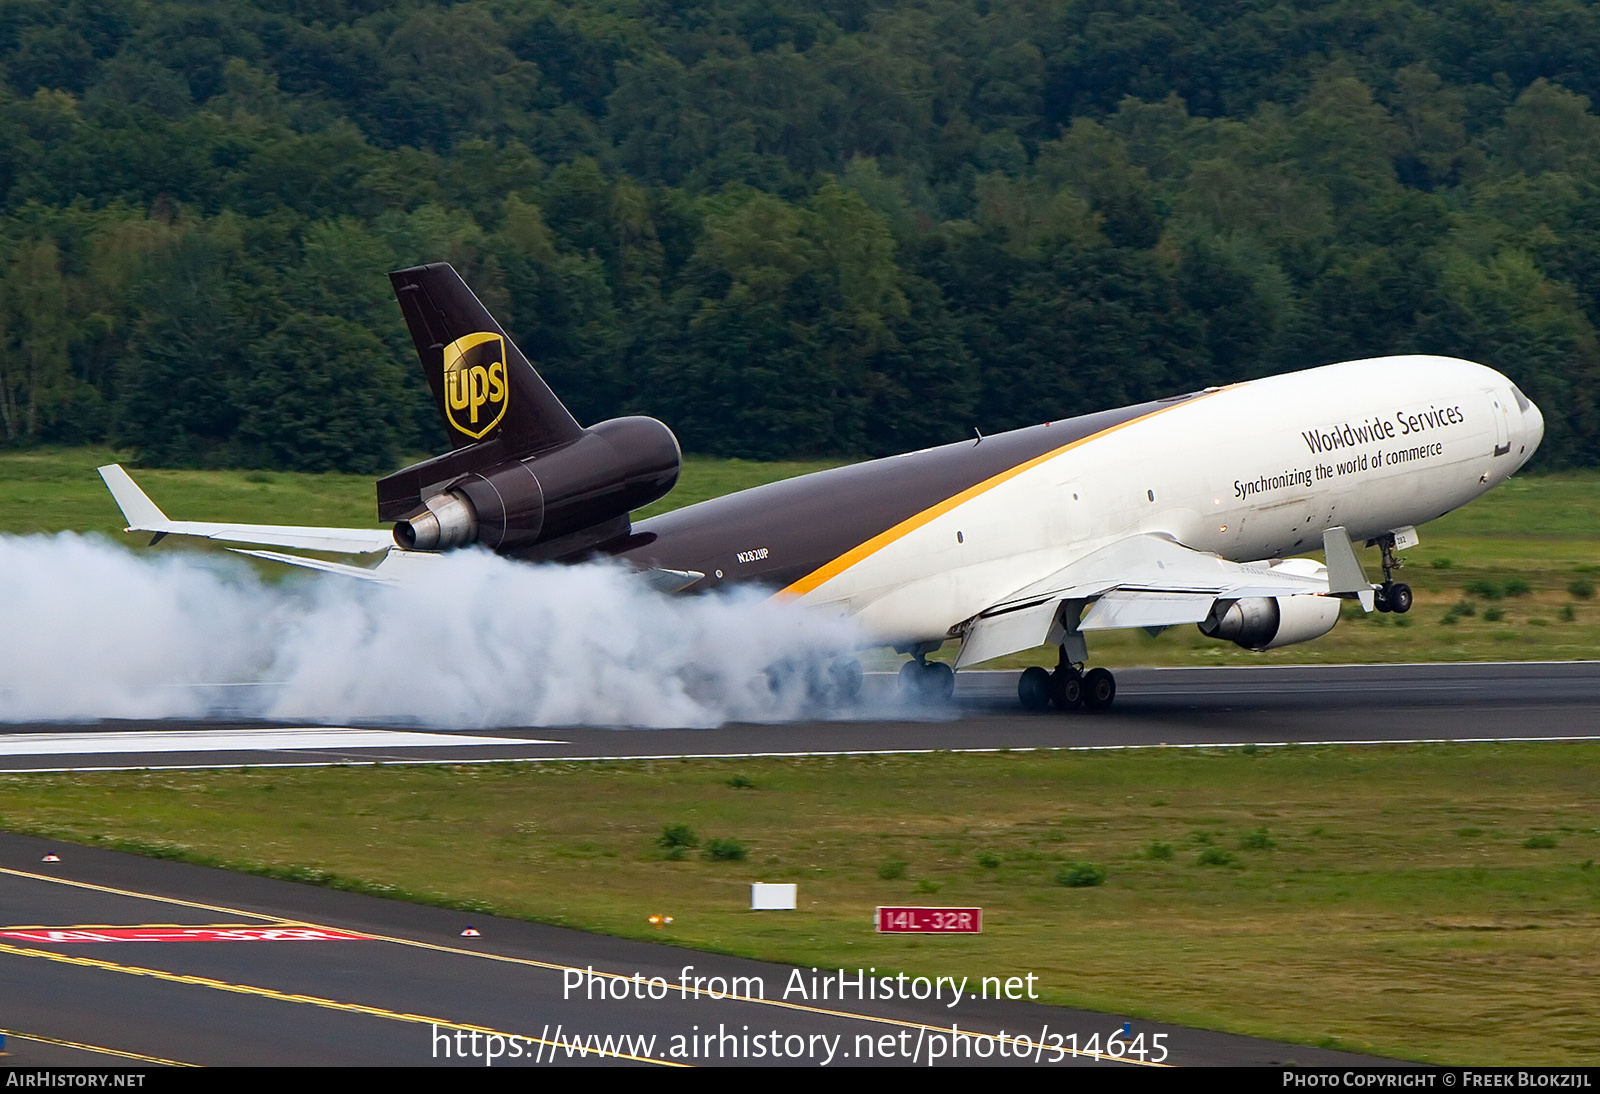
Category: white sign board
[771,897]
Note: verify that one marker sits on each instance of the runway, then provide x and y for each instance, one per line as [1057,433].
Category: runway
[112,960]
[1175,708]
[108,959]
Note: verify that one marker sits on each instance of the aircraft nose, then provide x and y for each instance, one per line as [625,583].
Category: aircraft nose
[1533,428]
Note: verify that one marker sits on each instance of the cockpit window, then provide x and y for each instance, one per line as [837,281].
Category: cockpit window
[1522,400]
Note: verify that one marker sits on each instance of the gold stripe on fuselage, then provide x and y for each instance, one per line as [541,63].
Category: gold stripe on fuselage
[883,539]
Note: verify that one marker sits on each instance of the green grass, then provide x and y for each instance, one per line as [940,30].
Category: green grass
[57,489]
[1408,901]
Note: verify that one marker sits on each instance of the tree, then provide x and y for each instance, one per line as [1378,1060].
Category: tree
[319,394]
[1503,312]
[36,381]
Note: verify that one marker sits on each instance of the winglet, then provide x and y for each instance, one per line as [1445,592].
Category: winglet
[143,515]
[1345,575]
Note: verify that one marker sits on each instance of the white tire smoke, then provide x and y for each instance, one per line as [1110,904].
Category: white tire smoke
[93,631]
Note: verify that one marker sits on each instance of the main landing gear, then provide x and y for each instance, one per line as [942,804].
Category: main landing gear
[927,681]
[1067,688]
[833,686]
[1392,595]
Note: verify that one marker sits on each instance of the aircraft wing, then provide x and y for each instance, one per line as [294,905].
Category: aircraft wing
[143,515]
[1154,564]
[1141,581]
[397,565]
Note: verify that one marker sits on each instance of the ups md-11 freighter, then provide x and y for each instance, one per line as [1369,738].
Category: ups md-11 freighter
[1183,510]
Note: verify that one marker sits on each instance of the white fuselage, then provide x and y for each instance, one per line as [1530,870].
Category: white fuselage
[1251,471]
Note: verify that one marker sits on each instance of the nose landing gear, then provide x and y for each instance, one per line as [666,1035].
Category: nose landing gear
[1392,595]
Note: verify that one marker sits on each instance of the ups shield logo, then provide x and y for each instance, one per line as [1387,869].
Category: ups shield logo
[475,388]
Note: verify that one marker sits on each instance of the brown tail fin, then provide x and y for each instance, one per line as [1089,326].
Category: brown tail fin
[483,385]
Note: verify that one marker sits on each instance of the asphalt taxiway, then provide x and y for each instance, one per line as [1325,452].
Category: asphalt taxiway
[1183,707]
[114,960]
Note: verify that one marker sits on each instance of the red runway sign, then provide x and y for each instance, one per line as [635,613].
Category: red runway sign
[930,920]
[183,934]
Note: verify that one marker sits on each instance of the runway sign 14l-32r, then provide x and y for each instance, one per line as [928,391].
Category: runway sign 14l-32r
[930,920]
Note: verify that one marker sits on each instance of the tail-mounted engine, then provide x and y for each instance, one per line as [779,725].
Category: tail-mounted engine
[523,477]
[590,484]
[1267,622]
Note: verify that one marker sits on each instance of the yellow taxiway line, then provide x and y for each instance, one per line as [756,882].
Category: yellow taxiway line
[456,950]
[141,1057]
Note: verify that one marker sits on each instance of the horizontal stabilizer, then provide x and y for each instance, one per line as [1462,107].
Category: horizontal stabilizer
[670,581]
[400,566]
[143,515]
[322,565]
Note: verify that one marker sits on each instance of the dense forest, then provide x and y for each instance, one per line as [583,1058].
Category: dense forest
[784,227]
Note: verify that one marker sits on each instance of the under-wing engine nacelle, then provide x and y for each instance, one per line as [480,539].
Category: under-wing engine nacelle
[1267,622]
[612,469]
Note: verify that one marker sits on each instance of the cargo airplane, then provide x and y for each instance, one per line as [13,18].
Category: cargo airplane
[1183,510]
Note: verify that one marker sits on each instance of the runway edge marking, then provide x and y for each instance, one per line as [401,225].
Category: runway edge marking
[802,755]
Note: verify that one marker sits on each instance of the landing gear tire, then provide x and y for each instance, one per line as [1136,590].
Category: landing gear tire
[1380,599]
[927,681]
[1099,689]
[911,680]
[1398,597]
[939,681]
[1033,689]
[1066,689]
[844,681]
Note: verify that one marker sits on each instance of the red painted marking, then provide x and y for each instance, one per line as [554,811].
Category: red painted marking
[186,934]
[930,920]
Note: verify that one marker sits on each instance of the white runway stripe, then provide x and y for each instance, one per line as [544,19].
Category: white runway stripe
[239,740]
[457,761]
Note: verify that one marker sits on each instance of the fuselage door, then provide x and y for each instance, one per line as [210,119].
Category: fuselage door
[1067,523]
[1502,422]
